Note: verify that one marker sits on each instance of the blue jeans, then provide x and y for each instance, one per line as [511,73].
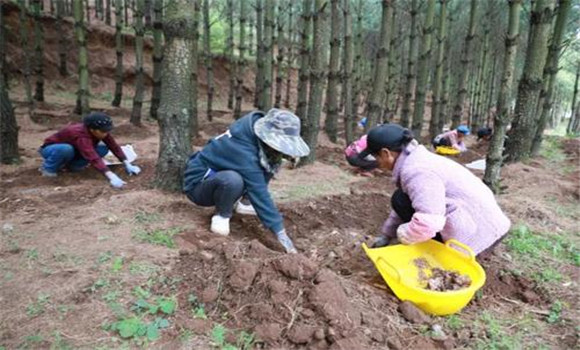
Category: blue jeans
[221,189]
[59,155]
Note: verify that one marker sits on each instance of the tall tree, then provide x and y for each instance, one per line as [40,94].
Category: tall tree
[391,84]
[438,83]
[119,41]
[88,10]
[259,81]
[147,14]
[174,110]
[502,117]
[230,53]
[62,39]
[381,67]
[108,12]
[8,127]
[281,70]
[23,23]
[194,122]
[334,73]
[411,74]
[208,59]
[349,107]
[267,55]
[358,69]
[483,73]
[291,49]
[423,70]
[157,56]
[304,72]
[465,63]
[82,105]
[139,81]
[550,71]
[38,51]
[518,146]
[317,76]
[571,123]
[241,61]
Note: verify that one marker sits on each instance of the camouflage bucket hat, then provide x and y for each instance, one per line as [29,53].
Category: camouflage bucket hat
[280,130]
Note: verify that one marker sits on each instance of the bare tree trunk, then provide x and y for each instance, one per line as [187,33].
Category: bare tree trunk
[291,50]
[8,127]
[411,74]
[39,52]
[119,42]
[24,45]
[331,121]
[88,9]
[317,76]
[126,7]
[157,57]
[259,82]
[108,12]
[230,54]
[174,117]
[208,59]
[465,62]
[438,83]
[550,70]
[194,122]
[82,106]
[502,118]
[147,14]
[281,71]
[349,107]
[268,55]
[391,84]
[358,69]
[519,144]
[571,123]
[139,84]
[251,35]
[62,39]
[241,62]
[304,73]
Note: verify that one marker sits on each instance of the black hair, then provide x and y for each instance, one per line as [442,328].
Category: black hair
[406,138]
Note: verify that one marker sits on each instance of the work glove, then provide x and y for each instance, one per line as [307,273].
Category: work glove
[381,241]
[131,169]
[115,181]
[286,242]
[403,234]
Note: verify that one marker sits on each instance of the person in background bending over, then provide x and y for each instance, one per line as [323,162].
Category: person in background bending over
[435,197]
[352,154]
[452,138]
[241,162]
[78,145]
[484,133]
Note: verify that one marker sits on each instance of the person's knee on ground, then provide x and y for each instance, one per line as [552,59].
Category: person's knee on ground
[56,156]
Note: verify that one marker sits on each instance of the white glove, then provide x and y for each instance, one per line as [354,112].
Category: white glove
[403,234]
[131,169]
[286,242]
[115,180]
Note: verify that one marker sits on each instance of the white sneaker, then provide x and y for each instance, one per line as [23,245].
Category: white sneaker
[245,209]
[220,225]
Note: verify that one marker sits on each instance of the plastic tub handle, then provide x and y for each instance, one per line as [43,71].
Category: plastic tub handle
[389,269]
[464,248]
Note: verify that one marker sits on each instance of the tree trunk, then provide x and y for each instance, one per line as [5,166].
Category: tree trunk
[502,118]
[241,62]
[519,144]
[438,83]
[157,57]
[62,39]
[281,71]
[391,85]
[423,71]
[175,107]
[333,74]
[479,91]
[569,128]
[208,59]
[126,7]
[465,63]
[349,107]
[251,35]
[119,43]
[108,12]
[267,55]
[194,122]
[317,76]
[411,74]
[25,49]
[147,14]
[358,69]
[82,106]
[443,117]
[492,82]
[8,127]
[259,82]
[139,79]
[304,72]
[99,9]
[230,54]
[381,67]
[88,10]
[290,55]
[550,70]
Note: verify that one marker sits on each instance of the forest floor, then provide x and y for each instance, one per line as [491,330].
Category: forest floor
[85,266]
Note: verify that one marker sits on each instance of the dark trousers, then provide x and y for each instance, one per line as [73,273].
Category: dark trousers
[366,165]
[402,205]
[440,141]
[221,190]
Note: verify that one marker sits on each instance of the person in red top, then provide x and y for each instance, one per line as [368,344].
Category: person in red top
[77,145]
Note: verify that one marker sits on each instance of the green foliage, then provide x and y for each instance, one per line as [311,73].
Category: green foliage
[32,254]
[99,284]
[104,257]
[548,274]
[496,337]
[246,340]
[552,150]
[198,309]
[143,268]
[117,264]
[454,322]
[38,307]
[162,237]
[555,312]
[144,217]
[532,245]
[218,335]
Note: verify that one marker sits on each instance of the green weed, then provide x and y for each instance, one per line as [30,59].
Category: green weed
[59,343]
[32,254]
[551,150]
[496,337]
[117,264]
[198,309]
[99,284]
[454,322]
[104,257]
[547,275]
[144,217]
[143,268]
[532,245]
[555,312]
[162,237]
[39,306]
[246,341]
[140,330]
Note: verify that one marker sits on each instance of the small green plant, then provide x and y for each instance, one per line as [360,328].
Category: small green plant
[548,275]
[197,307]
[555,312]
[144,217]
[136,328]
[117,264]
[99,284]
[32,254]
[454,322]
[246,340]
[38,307]
[162,237]
[104,257]
[529,244]
[143,268]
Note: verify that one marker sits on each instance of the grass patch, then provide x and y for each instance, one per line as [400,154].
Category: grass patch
[162,237]
[145,218]
[551,149]
[39,306]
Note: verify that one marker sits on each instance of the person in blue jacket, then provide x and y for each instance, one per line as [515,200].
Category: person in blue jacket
[241,162]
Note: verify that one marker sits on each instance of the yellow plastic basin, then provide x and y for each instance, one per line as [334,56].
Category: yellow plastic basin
[446,150]
[396,264]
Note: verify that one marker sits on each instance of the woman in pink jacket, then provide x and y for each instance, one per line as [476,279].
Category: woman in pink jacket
[435,197]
